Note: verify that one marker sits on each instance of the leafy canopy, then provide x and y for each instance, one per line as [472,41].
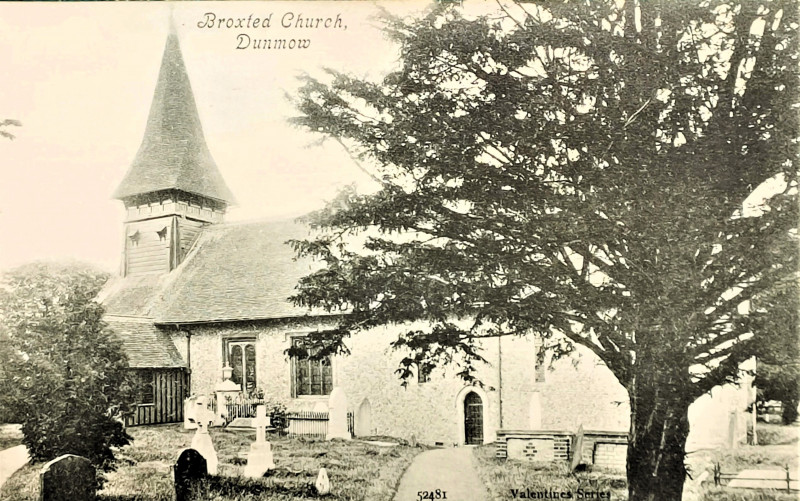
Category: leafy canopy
[572,167]
[64,374]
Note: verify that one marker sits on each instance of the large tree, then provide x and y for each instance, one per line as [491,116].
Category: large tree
[570,169]
[63,374]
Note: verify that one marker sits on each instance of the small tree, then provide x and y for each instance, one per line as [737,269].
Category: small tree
[63,374]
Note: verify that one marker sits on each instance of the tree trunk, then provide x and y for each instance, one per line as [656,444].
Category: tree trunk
[656,447]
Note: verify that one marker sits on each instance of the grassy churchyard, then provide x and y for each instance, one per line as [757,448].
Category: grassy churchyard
[778,447]
[357,471]
[501,476]
[360,471]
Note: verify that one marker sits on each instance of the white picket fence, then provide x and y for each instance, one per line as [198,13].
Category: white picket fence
[242,406]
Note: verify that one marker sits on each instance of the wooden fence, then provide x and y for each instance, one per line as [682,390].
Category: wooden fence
[313,424]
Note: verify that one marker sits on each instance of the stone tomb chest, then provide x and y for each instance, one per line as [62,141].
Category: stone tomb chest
[600,448]
[549,446]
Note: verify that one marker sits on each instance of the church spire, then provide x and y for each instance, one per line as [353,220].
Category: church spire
[173,155]
[173,188]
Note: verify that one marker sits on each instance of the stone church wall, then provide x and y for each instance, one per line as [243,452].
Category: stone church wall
[431,411]
[576,391]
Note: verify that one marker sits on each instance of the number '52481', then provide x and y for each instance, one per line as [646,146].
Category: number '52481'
[437,494]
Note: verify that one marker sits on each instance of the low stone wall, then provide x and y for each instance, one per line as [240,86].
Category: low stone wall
[600,448]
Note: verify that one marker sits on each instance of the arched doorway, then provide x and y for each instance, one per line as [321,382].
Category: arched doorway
[473,419]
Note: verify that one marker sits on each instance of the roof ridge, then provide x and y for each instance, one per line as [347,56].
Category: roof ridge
[128,318]
[254,221]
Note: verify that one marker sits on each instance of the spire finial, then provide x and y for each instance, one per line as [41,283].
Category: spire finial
[172,29]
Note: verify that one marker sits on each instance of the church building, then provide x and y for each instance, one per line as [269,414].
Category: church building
[195,294]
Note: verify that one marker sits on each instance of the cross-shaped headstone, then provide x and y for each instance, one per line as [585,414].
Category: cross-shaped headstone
[260,423]
[259,460]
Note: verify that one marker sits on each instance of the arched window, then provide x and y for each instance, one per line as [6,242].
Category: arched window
[240,355]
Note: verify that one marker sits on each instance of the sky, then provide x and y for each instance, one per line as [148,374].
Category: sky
[80,78]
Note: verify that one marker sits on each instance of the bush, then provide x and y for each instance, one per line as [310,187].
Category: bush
[277,416]
[64,375]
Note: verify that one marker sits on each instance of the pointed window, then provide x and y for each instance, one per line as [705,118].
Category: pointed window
[240,355]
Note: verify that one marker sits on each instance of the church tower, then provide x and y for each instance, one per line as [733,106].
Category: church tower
[173,187]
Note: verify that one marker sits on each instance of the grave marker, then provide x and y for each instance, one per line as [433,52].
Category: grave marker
[577,449]
[364,419]
[190,467]
[259,460]
[189,409]
[203,444]
[68,478]
[535,411]
[323,484]
[337,415]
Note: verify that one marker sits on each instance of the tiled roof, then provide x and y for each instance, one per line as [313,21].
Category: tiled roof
[242,271]
[237,272]
[131,296]
[173,153]
[145,344]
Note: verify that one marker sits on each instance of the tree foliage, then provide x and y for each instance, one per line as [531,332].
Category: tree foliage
[572,169]
[4,124]
[64,374]
[778,371]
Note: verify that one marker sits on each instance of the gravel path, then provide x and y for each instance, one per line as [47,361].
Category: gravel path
[451,471]
[12,460]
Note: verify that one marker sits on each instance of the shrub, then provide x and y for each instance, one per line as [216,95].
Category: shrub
[64,373]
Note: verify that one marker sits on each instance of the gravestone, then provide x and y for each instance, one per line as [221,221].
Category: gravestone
[259,460]
[364,419]
[577,449]
[202,414]
[732,440]
[190,467]
[535,411]
[202,443]
[323,484]
[189,410]
[337,415]
[68,478]
[224,391]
